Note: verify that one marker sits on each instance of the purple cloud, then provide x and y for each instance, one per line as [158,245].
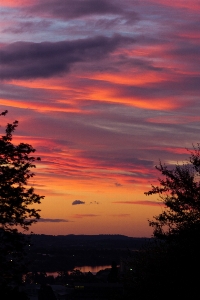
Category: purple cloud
[80,216]
[43,220]
[67,9]
[32,60]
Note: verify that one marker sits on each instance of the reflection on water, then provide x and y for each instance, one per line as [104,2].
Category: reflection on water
[84,269]
[92,269]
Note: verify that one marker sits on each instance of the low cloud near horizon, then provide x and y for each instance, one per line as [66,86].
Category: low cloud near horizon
[52,220]
[80,216]
[77,202]
[142,202]
[120,215]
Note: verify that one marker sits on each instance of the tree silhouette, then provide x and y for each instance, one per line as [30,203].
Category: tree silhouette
[179,190]
[16,197]
[168,265]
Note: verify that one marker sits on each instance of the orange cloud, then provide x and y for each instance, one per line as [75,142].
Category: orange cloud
[36,106]
[46,84]
[111,95]
[15,3]
[123,78]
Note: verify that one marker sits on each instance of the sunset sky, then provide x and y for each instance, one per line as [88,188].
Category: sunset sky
[103,89]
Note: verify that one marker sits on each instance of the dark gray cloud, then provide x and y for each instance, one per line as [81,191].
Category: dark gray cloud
[186,49]
[52,220]
[126,159]
[72,9]
[77,202]
[186,83]
[67,9]
[33,60]
[27,26]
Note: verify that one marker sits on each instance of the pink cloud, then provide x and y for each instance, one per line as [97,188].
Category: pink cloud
[80,216]
[142,202]
[120,215]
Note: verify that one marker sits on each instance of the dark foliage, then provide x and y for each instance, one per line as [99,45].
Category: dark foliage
[16,197]
[170,264]
[179,190]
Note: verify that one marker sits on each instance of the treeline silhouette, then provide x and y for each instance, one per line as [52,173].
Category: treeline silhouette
[63,253]
[17,210]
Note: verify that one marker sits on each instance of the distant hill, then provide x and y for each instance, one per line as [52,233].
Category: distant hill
[101,240]
[64,252]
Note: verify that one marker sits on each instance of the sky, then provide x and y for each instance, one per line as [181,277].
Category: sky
[103,90]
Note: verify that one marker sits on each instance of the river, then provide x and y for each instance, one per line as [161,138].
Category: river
[84,269]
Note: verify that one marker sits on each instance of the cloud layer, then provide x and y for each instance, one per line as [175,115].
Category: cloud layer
[102,89]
